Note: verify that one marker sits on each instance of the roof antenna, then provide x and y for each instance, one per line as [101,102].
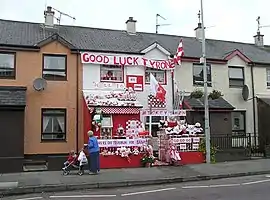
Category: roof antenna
[259,24]
[60,16]
[157,23]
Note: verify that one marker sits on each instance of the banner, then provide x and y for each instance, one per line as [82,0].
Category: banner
[122,142]
[186,140]
[124,60]
[157,112]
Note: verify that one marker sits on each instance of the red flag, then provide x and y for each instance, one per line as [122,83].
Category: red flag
[179,53]
[161,93]
[156,89]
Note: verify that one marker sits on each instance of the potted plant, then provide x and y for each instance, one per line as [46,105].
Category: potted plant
[215,94]
[213,150]
[197,93]
[147,161]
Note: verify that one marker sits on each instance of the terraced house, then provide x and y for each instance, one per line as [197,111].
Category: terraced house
[43,79]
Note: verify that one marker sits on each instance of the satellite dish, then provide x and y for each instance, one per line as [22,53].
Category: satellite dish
[39,84]
[245,92]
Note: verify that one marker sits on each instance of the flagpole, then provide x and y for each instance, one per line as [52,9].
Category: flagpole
[206,106]
[150,120]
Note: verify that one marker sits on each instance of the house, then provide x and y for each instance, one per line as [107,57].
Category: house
[50,119]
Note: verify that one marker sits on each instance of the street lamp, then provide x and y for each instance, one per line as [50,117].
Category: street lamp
[206,106]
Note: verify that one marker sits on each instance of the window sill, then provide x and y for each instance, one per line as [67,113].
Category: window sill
[53,141]
[8,77]
[236,87]
[111,81]
[148,83]
[196,85]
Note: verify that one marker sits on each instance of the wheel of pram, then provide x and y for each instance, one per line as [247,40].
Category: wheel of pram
[65,172]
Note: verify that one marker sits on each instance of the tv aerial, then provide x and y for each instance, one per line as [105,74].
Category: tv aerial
[259,24]
[157,22]
[60,16]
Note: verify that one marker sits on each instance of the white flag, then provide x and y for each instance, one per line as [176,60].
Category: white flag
[153,85]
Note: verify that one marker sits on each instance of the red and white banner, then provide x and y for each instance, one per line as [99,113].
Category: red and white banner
[125,60]
[135,82]
[186,140]
[122,142]
[155,112]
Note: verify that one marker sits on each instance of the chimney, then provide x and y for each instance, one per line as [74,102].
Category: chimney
[258,39]
[131,25]
[198,31]
[49,17]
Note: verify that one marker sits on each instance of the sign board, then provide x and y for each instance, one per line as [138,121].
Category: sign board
[135,82]
[124,60]
[100,85]
[122,142]
[157,112]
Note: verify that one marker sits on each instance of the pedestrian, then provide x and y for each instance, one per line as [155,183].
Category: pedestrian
[93,149]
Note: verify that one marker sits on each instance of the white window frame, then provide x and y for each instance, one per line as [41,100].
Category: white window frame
[107,68]
[107,127]
[153,71]
[268,78]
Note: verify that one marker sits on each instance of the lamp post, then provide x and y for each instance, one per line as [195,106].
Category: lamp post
[206,106]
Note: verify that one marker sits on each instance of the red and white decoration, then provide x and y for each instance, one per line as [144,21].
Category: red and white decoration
[179,53]
[133,127]
[124,60]
[153,102]
[134,82]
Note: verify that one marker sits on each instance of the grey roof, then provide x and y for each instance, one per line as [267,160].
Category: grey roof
[219,103]
[12,96]
[84,38]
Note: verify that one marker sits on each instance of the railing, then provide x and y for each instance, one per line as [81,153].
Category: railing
[248,142]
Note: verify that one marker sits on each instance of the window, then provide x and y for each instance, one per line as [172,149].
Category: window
[268,77]
[53,124]
[111,73]
[106,127]
[155,124]
[160,75]
[7,65]
[238,122]
[55,67]
[198,75]
[236,77]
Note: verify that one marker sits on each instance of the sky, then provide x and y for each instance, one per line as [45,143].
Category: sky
[233,20]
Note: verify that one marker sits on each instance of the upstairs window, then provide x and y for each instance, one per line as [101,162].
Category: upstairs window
[268,78]
[236,77]
[111,73]
[198,75]
[7,66]
[160,75]
[55,67]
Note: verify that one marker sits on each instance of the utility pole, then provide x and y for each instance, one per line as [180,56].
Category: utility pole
[206,106]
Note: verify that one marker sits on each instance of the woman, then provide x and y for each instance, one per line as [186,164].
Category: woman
[93,149]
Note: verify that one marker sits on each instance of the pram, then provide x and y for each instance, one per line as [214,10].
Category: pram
[74,164]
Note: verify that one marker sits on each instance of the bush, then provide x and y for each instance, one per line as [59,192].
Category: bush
[198,93]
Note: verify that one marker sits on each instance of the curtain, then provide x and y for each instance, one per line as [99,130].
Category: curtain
[45,123]
[61,122]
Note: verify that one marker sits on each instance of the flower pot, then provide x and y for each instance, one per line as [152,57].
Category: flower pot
[148,165]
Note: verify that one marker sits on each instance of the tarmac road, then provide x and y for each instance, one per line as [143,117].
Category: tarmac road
[244,188]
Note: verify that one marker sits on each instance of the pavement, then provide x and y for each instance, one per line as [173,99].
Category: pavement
[54,181]
[241,188]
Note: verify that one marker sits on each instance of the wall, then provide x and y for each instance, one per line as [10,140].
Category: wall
[58,94]
[220,81]
[91,73]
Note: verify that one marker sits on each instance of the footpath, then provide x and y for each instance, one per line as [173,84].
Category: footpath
[54,181]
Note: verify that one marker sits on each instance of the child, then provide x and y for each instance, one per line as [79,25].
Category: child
[72,156]
[82,159]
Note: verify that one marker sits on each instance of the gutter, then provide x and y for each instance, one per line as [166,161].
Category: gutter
[253,102]
[77,101]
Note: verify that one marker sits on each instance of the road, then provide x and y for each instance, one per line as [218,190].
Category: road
[244,188]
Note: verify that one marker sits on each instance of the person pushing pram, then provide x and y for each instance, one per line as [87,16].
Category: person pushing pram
[76,162]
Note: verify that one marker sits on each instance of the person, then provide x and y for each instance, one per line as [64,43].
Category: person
[71,157]
[82,160]
[93,149]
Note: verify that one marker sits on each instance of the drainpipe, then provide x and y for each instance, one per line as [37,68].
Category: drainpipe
[77,101]
[254,103]
[172,81]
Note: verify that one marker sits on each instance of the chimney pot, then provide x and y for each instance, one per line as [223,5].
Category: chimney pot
[258,39]
[49,17]
[198,31]
[131,25]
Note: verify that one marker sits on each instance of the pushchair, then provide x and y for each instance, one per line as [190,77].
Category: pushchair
[75,164]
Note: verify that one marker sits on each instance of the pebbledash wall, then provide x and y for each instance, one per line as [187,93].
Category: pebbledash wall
[220,81]
[91,77]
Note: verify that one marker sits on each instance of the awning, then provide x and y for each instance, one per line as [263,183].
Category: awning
[117,110]
[216,104]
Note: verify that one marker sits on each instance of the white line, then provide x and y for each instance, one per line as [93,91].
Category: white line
[195,186]
[145,192]
[225,185]
[255,182]
[82,196]
[31,198]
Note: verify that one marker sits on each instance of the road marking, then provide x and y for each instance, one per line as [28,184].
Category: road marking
[145,192]
[83,196]
[195,186]
[225,185]
[255,182]
[31,198]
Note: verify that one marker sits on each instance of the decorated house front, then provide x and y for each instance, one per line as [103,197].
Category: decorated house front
[116,90]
